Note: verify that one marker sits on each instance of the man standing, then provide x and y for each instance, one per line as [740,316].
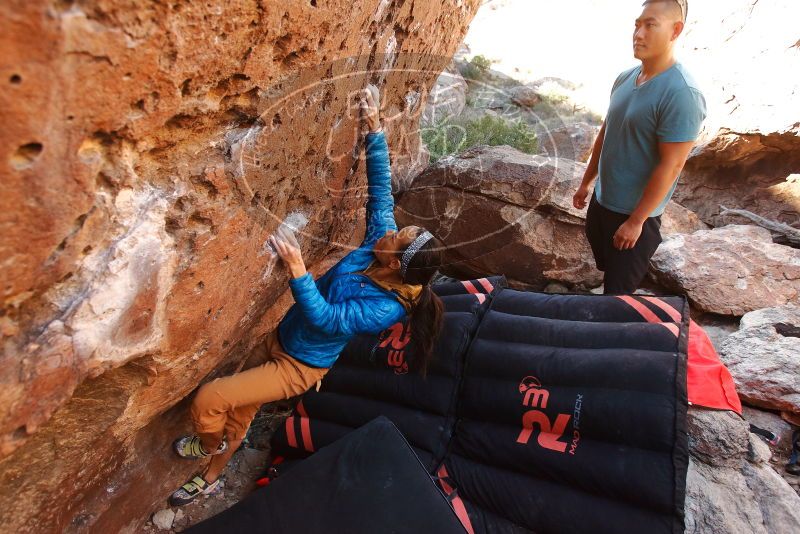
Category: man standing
[655,116]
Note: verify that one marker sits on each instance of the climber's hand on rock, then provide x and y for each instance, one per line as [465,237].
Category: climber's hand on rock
[370,108]
[579,198]
[627,235]
[286,233]
[288,249]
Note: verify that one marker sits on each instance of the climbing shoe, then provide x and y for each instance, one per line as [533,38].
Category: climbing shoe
[191,447]
[192,489]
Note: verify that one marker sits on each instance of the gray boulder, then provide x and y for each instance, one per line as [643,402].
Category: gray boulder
[524,96]
[571,141]
[446,98]
[764,358]
[501,211]
[680,220]
[730,486]
[730,271]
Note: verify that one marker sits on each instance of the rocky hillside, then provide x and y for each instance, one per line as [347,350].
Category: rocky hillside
[150,149]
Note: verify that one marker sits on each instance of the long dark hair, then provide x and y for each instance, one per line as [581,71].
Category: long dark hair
[425,317]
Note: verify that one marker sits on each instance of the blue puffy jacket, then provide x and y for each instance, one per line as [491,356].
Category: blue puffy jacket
[329,312]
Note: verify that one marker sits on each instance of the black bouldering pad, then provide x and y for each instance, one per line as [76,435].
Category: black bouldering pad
[369,481]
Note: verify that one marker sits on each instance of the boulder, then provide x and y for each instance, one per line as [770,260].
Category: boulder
[447,98]
[571,141]
[774,195]
[791,418]
[719,439]
[730,486]
[764,359]
[524,96]
[717,327]
[730,271]
[677,219]
[151,148]
[501,211]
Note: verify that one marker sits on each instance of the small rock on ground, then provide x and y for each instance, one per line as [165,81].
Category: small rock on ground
[163,519]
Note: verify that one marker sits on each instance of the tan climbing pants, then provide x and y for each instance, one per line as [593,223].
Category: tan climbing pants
[226,406]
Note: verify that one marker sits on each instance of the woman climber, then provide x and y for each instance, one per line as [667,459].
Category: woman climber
[386,279]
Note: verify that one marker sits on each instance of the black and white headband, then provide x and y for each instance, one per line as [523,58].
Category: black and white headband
[412,249]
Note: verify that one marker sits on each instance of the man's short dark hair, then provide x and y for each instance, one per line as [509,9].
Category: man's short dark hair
[683,5]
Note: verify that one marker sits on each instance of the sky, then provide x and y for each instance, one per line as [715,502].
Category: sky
[583,41]
[733,48]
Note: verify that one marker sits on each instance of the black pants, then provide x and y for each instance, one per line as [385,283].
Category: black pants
[623,270]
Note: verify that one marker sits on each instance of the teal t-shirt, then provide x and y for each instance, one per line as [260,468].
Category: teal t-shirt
[668,108]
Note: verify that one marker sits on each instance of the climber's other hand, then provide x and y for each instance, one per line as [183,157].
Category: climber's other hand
[289,251]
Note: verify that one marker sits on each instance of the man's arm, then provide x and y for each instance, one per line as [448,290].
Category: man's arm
[579,199]
[673,158]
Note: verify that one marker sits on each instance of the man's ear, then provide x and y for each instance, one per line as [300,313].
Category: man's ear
[394,264]
[677,29]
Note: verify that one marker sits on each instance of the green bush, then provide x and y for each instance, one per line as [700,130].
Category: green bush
[555,99]
[443,139]
[446,137]
[482,63]
[496,131]
[477,67]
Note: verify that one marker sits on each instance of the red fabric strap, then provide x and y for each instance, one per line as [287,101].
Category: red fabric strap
[487,285]
[291,438]
[458,504]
